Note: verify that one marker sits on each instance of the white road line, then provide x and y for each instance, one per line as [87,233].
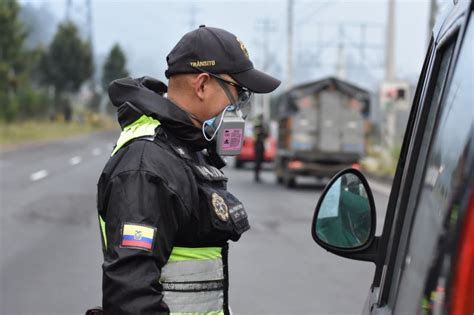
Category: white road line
[96,152]
[380,188]
[38,175]
[75,160]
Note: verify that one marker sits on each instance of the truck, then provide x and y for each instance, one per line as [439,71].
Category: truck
[321,129]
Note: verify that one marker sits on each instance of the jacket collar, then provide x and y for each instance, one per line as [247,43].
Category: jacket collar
[144,96]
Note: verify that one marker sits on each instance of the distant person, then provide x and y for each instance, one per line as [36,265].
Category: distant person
[165,214]
[260,135]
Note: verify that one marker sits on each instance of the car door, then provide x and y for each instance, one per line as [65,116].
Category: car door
[428,172]
[438,176]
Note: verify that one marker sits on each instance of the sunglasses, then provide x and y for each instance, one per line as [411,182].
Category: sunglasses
[243,94]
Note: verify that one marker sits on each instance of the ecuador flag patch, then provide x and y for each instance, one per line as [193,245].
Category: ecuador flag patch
[137,236]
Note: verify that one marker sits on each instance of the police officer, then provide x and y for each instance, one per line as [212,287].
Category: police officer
[164,211]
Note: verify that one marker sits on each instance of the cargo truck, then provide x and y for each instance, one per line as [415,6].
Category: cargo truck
[321,129]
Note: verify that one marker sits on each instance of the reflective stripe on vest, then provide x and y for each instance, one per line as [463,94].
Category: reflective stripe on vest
[193,281]
[143,126]
[102,229]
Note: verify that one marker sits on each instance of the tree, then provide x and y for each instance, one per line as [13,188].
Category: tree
[19,98]
[12,37]
[67,64]
[114,66]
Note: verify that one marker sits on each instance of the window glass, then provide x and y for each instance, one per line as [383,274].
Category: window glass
[441,177]
[438,75]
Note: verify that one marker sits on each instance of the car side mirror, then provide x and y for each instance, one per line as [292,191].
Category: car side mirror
[345,219]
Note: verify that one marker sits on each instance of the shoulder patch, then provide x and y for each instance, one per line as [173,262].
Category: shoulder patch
[137,236]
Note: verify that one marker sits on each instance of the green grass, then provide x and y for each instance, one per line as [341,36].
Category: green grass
[381,161]
[12,134]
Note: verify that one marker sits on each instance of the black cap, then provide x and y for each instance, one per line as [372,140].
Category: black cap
[218,51]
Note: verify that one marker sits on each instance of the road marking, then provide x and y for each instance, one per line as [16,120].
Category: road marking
[38,175]
[380,188]
[96,152]
[75,160]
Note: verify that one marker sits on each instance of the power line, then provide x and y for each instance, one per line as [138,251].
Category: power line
[311,15]
[341,40]
[265,27]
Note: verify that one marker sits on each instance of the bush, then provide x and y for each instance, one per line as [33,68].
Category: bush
[381,161]
[8,108]
[25,103]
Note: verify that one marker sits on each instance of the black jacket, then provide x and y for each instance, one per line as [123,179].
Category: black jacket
[163,183]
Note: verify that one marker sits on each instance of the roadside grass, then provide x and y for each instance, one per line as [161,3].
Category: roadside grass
[381,161]
[17,133]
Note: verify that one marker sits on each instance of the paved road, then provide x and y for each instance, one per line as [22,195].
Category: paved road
[279,268]
[49,239]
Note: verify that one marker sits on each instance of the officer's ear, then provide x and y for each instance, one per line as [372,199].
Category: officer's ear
[201,84]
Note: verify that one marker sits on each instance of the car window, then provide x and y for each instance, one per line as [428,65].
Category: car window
[428,94]
[447,136]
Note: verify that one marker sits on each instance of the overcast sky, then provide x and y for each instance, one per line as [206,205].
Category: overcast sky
[148,30]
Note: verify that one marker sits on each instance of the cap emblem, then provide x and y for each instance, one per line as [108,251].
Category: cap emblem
[242,46]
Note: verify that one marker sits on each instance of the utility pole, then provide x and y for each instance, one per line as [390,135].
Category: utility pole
[192,17]
[289,54]
[363,32]
[389,111]
[341,40]
[83,18]
[266,26]
[341,56]
[90,39]
[89,20]
[68,10]
[390,44]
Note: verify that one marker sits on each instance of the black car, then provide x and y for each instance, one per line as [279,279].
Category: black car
[425,255]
